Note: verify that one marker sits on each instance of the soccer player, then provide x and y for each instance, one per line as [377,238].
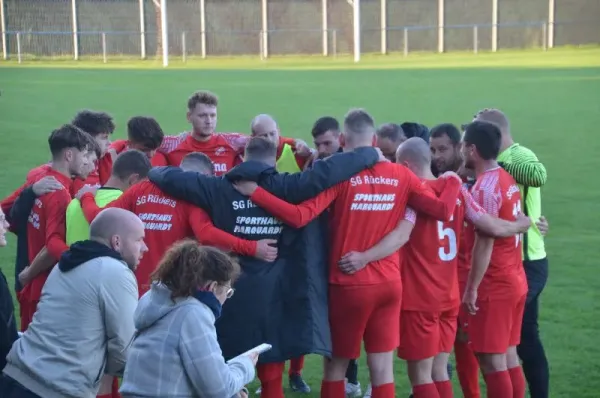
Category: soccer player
[289,160]
[521,162]
[496,286]
[326,136]
[365,296]
[70,148]
[143,133]
[430,301]
[100,126]
[168,220]
[389,137]
[446,156]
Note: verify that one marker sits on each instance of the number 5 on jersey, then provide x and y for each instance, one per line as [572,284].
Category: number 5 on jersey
[450,235]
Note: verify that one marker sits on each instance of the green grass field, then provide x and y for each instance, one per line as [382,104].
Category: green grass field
[552,98]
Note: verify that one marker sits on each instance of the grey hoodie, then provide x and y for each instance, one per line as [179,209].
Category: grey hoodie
[176,354]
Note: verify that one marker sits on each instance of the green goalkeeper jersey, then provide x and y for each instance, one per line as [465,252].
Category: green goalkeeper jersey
[530,174]
[77,226]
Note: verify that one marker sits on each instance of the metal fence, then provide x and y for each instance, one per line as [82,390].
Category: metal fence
[127,29]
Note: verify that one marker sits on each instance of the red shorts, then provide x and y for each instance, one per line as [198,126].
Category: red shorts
[425,334]
[370,313]
[496,325]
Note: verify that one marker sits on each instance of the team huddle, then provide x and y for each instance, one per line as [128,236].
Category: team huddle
[407,240]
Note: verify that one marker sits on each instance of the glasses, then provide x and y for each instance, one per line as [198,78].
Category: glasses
[230,292]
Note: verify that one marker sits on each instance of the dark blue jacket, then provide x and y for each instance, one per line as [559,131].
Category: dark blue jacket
[18,218]
[283,303]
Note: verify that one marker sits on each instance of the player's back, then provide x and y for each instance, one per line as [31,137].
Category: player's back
[368,207]
[499,194]
[165,223]
[429,272]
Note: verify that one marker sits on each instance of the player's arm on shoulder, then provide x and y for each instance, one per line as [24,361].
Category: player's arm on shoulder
[420,199]
[207,234]
[20,210]
[525,168]
[118,300]
[212,376]
[488,224]
[299,187]
[295,216]
[184,185]
[8,202]
[395,239]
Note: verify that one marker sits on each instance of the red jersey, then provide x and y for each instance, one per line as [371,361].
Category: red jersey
[224,150]
[365,209]
[498,193]
[166,221]
[46,227]
[431,264]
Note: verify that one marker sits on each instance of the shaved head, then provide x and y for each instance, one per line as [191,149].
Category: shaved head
[494,116]
[122,231]
[415,153]
[264,126]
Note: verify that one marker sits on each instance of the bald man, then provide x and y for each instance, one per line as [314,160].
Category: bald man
[431,300]
[523,165]
[292,155]
[84,321]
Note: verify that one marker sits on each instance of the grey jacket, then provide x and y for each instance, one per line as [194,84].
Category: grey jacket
[176,354]
[80,331]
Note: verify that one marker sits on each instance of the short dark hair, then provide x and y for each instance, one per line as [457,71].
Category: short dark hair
[412,129]
[69,136]
[446,129]
[198,162]
[260,148]
[145,131]
[391,131]
[94,123]
[188,265]
[486,138]
[202,97]
[131,162]
[359,121]
[325,124]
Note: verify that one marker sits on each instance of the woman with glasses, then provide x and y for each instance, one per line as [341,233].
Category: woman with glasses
[175,352]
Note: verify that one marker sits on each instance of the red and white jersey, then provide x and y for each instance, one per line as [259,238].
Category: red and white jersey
[497,192]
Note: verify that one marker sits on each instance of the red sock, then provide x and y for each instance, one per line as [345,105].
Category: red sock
[384,391]
[467,368]
[444,389]
[271,379]
[333,389]
[296,365]
[425,391]
[498,385]
[518,382]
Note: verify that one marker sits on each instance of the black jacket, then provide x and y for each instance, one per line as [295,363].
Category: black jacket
[18,218]
[8,323]
[283,303]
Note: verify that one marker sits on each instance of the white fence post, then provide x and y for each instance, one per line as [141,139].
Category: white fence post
[441,23]
[142,31]
[265,29]
[324,27]
[356,21]
[551,9]
[103,47]
[334,44]
[3,29]
[164,32]
[202,29]
[494,25]
[19,47]
[183,48]
[475,39]
[405,42]
[75,30]
[383,17]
